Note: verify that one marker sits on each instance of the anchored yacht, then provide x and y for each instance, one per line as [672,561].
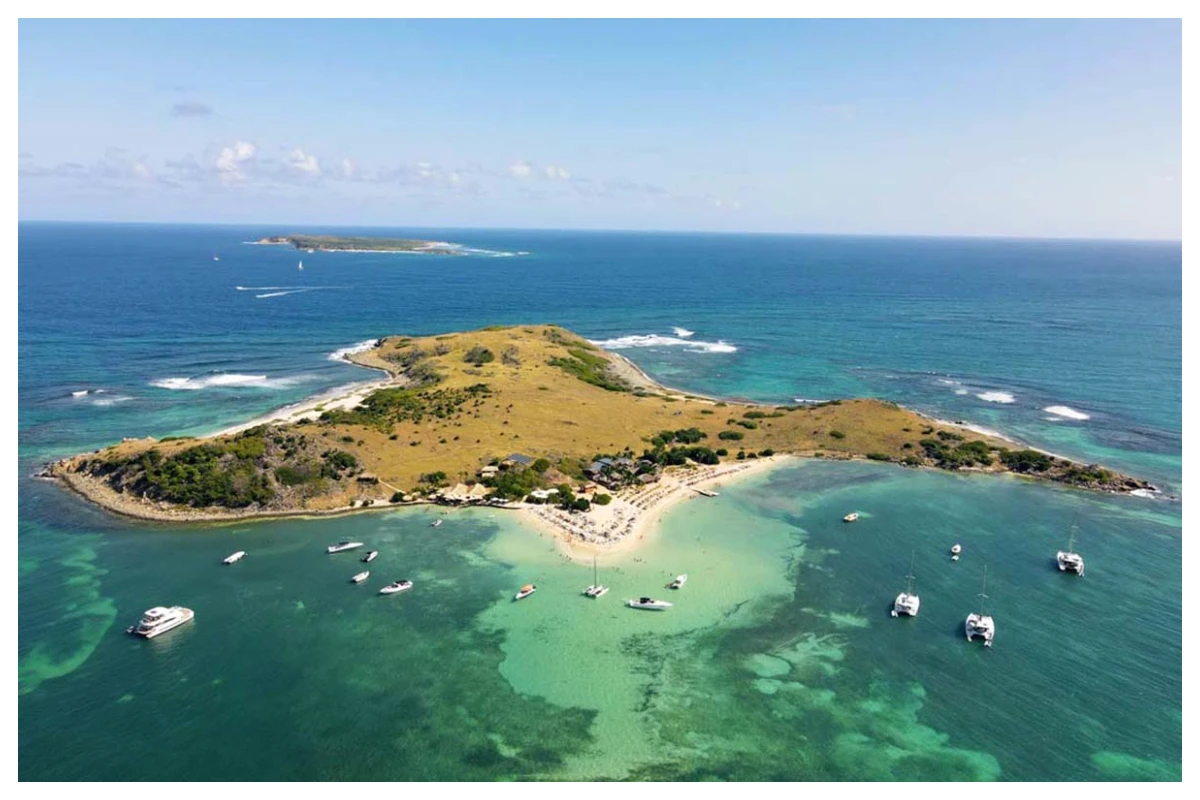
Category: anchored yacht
[341,547]
[398,586]
[160,620]
[981,625]
[371,556]
[234,558]
[526,590]
[595,591]
[851,517]
[907,602]
[1068,560]
[360,577]
[678,582]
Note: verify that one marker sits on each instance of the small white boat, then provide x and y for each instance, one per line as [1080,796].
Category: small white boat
[234,558]
[851,517]
[371,556]
[955,551]
[437,523]
[301,266]
[678,582]
[398,586]
[649,604]
[160,619]
[706,492]
[907,603]
[310,250]
[342,547]
[526,590]
[360,577]
[981,625]
[216,257]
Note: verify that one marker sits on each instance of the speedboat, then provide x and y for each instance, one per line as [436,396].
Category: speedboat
[526,590]
[371,556]
[851,517]
[1070,562]
[981,626]
[398,586]
[954,552]
[678,582]
[342,546]
[596,591]
[236,557]
[360,577]
[650,604]
[437,523]
[160,620]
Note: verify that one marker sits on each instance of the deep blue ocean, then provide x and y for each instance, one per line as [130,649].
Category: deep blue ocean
[1071,346]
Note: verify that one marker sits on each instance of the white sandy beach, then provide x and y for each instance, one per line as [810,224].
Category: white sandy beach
[634,513]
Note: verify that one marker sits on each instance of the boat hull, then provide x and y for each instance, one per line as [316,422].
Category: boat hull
[187,616]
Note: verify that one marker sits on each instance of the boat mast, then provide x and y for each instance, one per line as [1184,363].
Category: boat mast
[911,565]
[983,592]
[1074,531]
[595,573]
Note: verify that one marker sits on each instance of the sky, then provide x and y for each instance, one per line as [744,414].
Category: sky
[1056,128]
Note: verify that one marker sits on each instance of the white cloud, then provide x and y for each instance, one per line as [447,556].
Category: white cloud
[521,169]
[349,170]
[232,161]
[298,159]
[557,173]
[140,170]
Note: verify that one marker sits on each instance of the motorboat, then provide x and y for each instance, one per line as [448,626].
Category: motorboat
[398,586]
[341,547]
[678,582]
[437,523]
[360,577]
[526,590]
[981,625]
[851,517]
[907,602]
[235,557]
[371,556]
[160,619]
[649,604]
[955,552]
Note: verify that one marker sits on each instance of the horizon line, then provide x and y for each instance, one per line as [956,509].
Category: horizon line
[1013,237]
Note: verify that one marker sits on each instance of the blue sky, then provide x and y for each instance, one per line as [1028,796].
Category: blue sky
[1010,128]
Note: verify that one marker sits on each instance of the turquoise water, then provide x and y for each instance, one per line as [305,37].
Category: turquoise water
[779,660]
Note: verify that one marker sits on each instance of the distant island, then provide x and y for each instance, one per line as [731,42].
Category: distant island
[530,417]
[361,244]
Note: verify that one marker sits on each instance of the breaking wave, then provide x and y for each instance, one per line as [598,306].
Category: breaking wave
[224,380]
[361,347]
[997,397]
[1066,412]
[655,340]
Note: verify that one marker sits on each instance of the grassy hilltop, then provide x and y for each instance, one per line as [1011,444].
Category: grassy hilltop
[460,401]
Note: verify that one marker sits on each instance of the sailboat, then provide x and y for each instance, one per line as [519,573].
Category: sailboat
[595,590]
[980,624]
[906,602]
[216,257]
[1069,560]
[301,267]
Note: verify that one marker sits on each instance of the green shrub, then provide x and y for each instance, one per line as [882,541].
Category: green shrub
[398,497]
[731,436]
[766,453]
[722,452]
[837,434]
[602,499]
[879,456]
[479,356]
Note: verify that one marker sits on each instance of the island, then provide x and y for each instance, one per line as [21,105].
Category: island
[361,244]
[528,417]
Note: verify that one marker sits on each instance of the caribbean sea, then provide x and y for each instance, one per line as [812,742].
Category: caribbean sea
[779,661]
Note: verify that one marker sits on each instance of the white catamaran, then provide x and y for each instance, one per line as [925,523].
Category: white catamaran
[981,625]
[1069,560]
[907,602]
[595,590]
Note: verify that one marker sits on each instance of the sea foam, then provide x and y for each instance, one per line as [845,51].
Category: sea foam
[225,380]
[360,347]
[996,397]
[1066,412]
[655,340]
